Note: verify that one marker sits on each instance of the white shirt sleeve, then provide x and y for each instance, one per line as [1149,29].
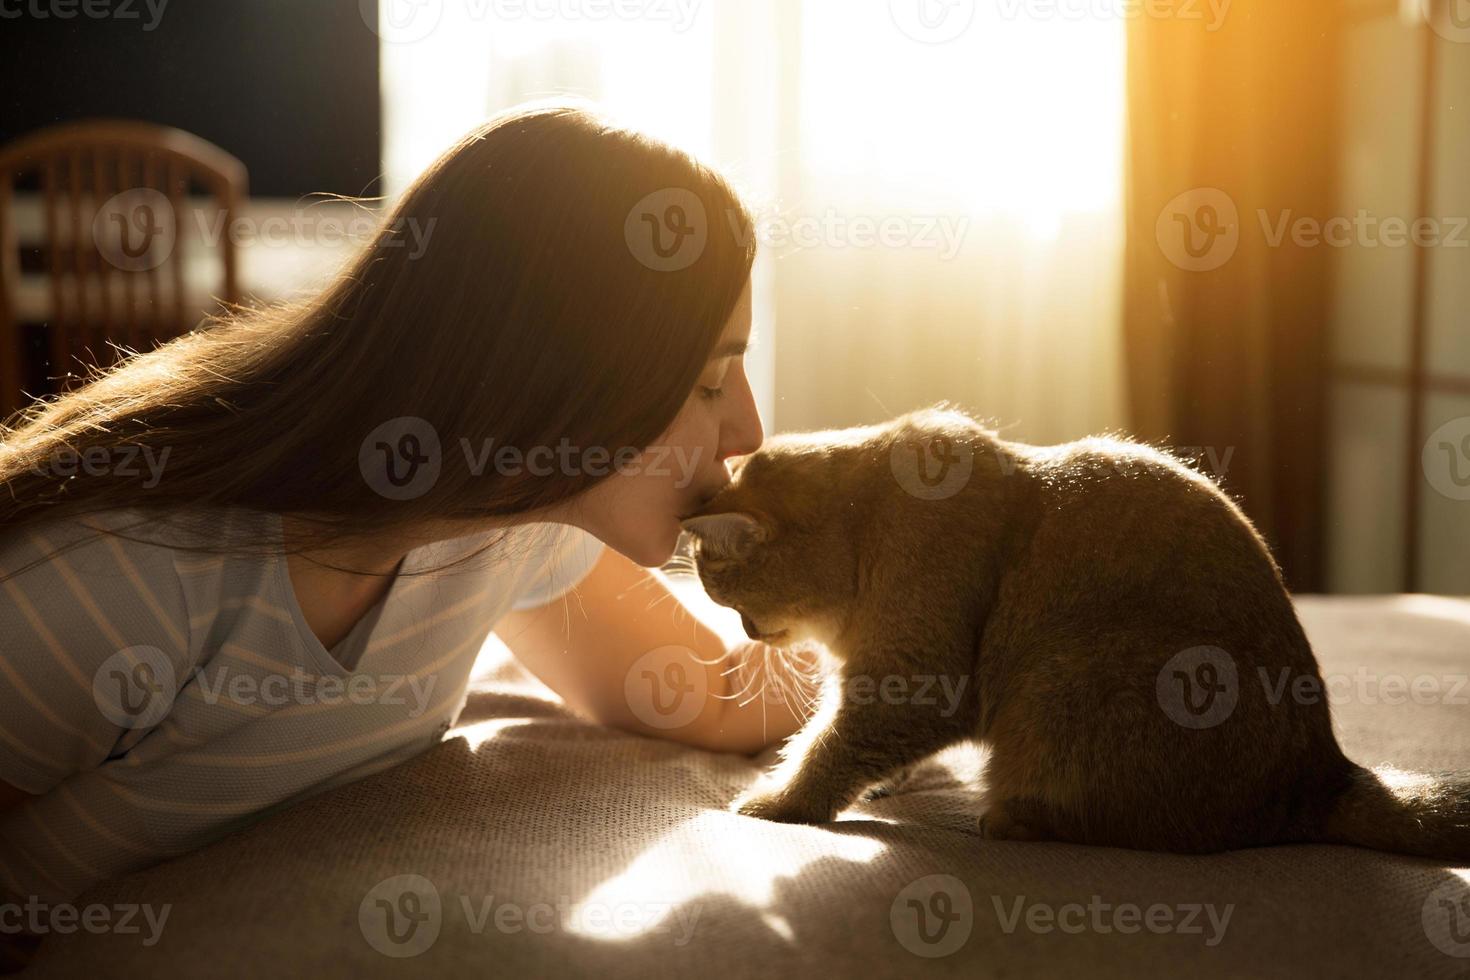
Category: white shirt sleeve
[561,556]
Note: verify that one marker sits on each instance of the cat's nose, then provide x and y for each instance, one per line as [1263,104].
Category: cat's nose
[750,629]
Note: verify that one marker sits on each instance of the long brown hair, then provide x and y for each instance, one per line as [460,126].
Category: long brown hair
[528,318]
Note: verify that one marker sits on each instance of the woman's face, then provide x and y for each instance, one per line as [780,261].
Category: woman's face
[637,510]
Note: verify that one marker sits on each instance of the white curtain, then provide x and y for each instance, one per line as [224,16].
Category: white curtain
[939,208]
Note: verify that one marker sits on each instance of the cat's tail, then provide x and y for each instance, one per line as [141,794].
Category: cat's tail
[1405,812]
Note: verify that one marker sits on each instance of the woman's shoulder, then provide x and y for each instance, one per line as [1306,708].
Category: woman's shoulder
[557,558]
[515,556]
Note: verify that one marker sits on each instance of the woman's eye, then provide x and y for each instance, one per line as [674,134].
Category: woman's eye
[709,393]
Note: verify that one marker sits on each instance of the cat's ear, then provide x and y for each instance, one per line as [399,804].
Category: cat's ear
[731,533]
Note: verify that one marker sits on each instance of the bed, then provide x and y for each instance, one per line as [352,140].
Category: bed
[533,843]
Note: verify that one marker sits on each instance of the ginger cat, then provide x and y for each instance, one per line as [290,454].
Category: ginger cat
[1107,616]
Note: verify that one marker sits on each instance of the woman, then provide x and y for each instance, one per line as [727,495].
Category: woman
[258,562]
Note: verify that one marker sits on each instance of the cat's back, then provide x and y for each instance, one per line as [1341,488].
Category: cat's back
[1112,511]
[1134,485]
[1098,511]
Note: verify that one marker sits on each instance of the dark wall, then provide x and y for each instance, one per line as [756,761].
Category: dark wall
[288,86]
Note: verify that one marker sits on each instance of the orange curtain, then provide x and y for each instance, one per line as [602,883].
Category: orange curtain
[1231,130]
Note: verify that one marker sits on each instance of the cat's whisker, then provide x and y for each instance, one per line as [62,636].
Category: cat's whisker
[765,674]
[806,678]
[760,690]
[778,667]
[742,690]
[806,701]
[730,697]
[714,660]
[791,697]
[653,603]
[737,665]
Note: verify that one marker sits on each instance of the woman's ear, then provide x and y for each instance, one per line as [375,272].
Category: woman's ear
[727,534]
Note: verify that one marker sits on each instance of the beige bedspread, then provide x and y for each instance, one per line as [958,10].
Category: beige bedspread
[533,843]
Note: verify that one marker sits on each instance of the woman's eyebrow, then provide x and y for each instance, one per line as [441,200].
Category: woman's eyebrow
[732,348]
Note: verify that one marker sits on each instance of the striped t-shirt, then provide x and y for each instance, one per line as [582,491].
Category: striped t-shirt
[157,698]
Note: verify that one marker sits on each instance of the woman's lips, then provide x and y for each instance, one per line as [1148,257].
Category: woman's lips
[704,501]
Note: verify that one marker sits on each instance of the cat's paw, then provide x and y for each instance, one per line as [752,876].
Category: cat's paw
[780,808]
[997,823]
[891,786]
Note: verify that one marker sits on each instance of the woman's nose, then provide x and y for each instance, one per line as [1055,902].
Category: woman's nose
[743,436]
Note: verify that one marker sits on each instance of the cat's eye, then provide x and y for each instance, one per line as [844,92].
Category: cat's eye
[710,394]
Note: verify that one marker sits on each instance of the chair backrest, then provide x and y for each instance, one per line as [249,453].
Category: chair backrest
[113,199]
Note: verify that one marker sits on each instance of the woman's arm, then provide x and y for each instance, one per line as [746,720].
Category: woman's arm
[623,650]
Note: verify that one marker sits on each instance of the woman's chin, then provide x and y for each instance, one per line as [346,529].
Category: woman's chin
[653,550]
[648,546]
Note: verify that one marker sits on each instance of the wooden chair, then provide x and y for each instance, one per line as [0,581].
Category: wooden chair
[114,194]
